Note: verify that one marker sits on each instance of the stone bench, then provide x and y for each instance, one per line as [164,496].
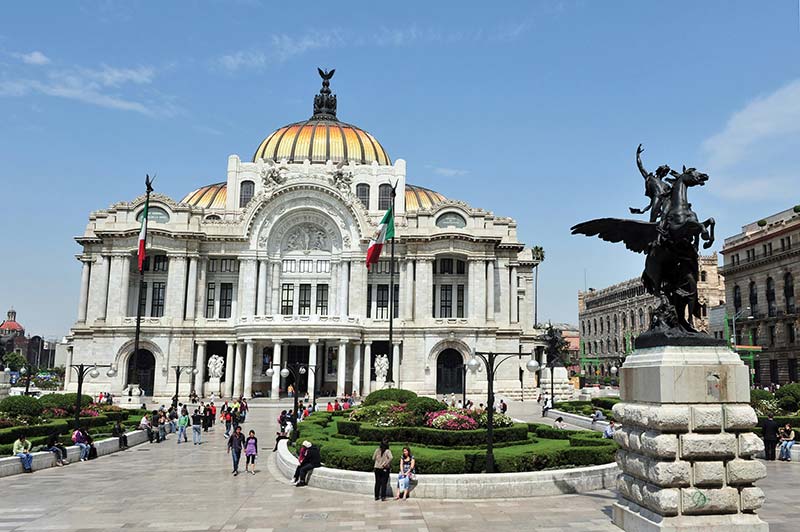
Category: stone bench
[578,420]
[466,486]
[12,465]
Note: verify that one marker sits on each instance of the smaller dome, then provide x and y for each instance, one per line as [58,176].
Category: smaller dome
[419,198]
[11,325]
[208,197]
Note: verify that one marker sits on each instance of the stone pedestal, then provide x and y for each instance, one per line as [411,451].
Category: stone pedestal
[214,385]
[687,450]
[562,387]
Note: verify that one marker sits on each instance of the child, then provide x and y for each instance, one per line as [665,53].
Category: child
[251,451]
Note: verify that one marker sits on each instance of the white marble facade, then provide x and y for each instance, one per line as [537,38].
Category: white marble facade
[284,278]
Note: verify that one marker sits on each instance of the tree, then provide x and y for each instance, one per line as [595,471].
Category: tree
[14,361]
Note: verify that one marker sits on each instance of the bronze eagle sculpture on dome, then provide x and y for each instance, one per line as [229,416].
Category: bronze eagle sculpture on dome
[670,240]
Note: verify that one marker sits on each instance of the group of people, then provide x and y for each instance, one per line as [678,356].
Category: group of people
[105,398]
[382,468]
[776,436]
[80,437]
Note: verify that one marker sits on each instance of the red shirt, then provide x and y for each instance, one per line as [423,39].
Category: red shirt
[330,407]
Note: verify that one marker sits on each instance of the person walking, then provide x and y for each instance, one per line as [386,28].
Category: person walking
[382,463]
[235,446]
[407,468]
[770,434]
[22,449]
[197,425]
[787,442]
[183,424]
[250,451]
[228,422]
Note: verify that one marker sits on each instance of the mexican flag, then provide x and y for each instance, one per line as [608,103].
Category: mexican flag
[385,232]
[143,233]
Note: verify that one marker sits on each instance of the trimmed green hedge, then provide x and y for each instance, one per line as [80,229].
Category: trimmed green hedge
[64,400]
[61,425]
[552,433]
[590,439]
[367,432]
[389,394]
[424,405]
[606,403]
[21,405]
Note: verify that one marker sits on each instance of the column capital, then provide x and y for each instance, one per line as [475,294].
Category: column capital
[313,341]
[249,341]
[397,342]
[200,342]
[277,341]
[367,343]
[231,342]
[357,342]
[344,341]
[178,256]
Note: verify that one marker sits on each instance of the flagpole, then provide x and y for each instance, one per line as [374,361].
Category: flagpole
[391,298]
[135,379]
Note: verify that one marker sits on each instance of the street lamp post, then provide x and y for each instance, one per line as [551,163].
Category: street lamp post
[294,369]
[178,371]
[92,370]
[735,317]
[26,370]
[492,361]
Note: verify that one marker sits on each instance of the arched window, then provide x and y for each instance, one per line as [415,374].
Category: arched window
[616,346]
[624,345]
[595,326]
[771,307]
[608,324]
[213,218]
[641,319]
[246,191]
[589,347]
[384,197]
[753,298]
[595,348]
[702,276]
[633,321]
[154,214]
[624,321]
[737,298]
[362,192]
[601,325]
[788,292]
[583,328]
[451,219]
[616,325]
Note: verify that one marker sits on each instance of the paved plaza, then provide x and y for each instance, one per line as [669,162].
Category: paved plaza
[184,488]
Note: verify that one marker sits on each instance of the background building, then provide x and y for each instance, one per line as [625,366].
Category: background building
[760,267]
[38,351]
[611,318]
[268,267]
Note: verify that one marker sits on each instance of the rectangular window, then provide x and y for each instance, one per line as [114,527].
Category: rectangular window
[306,266]
[460,301]
[396,300]
[323,266]
[304,303]
[228,265]
[382,300]
[792,363]
[157,302]
[143,300]
[225,299]
[212,265]
[322,299]
[446,301]
[288,266]
[433,302]
[790,334]
[331,360]
[369,300]
[160,263]
[445,265]
[287,299]
[773,371]
[146,264]
[211,294]
[461,267]
[772,335]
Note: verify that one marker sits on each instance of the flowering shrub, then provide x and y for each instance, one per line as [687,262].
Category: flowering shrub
[450,420]
[5,423]
[385,414]
[87,412]
[55,412]
[499,420]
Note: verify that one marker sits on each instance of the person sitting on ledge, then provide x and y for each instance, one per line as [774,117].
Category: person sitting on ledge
[54,446]
[559,423]
[22,449]
[609,432]
[312,460]
[119,432]
[598,416]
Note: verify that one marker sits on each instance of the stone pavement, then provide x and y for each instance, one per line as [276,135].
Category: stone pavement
[183,488]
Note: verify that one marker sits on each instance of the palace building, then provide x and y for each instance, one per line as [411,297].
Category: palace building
[267,268]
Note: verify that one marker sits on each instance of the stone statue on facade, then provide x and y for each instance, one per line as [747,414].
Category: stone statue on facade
[215,365]
[340,178]
[274,174]
[670,240]
[381,368]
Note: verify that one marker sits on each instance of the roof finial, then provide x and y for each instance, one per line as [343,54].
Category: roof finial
[325,102]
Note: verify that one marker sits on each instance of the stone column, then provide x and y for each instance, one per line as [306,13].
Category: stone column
[356,367]
[114,282]
[423,288]
[341,375]
[248,370]
[514,295]
[202,285]
[229,364]
[490,290]
[312,363]
[83,300]
[238,373]
[98,289]
[276,287]
[344,284]
[333,290]
[502,274]
[191,289]
[358,289]
[68,367]
[247,284]
[687,451]
[365,388]
[276,365]
[396,363]
[176,288]
[408,300]
[200,377]
[261,296]
[125,285]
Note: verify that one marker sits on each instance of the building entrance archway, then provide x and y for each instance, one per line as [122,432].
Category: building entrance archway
[146,370]
[449,374]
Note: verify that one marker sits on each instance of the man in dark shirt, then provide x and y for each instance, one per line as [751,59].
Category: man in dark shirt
[235,446]
[770,432]
[197,424]
[312,460]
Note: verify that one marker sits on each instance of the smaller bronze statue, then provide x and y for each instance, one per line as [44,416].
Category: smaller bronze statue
[670,240]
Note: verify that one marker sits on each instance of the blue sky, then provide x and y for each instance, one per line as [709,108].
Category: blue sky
[529,109]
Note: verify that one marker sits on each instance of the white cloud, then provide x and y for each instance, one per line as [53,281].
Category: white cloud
[34,58]
[751,157]
[92,86]
[281,48]
[449,172]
